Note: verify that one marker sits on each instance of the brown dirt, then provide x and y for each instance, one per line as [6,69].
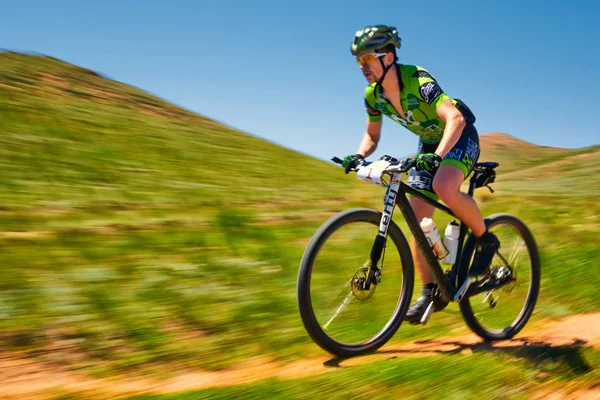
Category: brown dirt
[26,235]
[25,378]
[10,86]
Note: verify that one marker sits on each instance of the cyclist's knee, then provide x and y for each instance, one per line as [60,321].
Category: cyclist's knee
[445,190]
[447,186]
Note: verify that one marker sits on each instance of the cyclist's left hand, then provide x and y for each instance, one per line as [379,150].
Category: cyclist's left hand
[352,161]
[427,162]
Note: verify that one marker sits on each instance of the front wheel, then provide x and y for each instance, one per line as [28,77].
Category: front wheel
[513,281]
[339,313]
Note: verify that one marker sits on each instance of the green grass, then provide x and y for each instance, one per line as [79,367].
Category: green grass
[152,239]
[61,151]
[179,291]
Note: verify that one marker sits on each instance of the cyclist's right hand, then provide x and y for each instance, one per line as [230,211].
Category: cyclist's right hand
[352,161]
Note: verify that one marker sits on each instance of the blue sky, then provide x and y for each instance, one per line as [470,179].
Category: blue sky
[283,71]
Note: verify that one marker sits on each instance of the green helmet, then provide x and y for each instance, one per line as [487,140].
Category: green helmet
[374,37]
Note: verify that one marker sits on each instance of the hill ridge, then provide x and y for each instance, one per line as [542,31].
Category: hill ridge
[87,84]
[46,82]
[48,76]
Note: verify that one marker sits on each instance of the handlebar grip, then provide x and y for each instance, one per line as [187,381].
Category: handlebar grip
[337,160]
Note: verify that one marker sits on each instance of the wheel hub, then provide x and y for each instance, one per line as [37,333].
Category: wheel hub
[505,276]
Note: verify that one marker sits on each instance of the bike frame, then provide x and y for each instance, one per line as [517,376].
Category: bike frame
[396,195]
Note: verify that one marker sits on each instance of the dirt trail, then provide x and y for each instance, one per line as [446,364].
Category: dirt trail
[28,379]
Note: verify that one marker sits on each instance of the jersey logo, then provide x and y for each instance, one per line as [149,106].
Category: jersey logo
[423,74]
[430,91]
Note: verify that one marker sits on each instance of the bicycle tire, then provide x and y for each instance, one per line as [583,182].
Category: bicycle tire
[526,311]
[315,331]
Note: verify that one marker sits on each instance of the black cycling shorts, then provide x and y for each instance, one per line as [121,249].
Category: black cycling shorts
[463,155]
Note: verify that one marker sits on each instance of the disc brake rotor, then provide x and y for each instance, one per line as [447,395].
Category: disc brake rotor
[358,283]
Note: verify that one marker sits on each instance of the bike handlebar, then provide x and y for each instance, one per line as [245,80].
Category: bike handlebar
[401,166]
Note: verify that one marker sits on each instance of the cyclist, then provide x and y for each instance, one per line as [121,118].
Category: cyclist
[448,142]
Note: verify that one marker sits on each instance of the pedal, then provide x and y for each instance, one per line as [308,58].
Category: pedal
[427,313]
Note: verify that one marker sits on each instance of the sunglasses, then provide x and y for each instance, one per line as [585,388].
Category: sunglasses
[367,58]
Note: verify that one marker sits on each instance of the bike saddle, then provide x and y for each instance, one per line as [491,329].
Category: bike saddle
[485,165]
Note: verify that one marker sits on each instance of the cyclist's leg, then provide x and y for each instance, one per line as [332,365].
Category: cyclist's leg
[421,210]
[418,308]
[422,181]
[455,167]
[446,184]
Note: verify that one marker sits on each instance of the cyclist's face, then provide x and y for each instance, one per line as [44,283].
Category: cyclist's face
[372,69]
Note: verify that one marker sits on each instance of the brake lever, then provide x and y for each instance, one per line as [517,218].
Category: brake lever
[338,160]
[400,167]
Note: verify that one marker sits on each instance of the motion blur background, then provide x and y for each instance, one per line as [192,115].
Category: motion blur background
[165,165]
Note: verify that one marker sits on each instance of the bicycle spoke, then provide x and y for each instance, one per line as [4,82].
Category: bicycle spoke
[347,285]
[515,254]
[345,289]
[503,259]
[346,301]
[487,296]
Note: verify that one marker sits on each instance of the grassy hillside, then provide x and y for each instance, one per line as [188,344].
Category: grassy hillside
[137,235]
[540,169]
[72,139]
[128,222]
[515,154]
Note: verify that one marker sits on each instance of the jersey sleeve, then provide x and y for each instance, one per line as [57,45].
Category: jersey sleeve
[429,89]
[373,114]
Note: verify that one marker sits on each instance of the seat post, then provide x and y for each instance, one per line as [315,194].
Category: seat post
[471,187]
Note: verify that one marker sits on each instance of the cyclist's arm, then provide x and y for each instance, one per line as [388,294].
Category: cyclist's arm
[455,123]
[370,139]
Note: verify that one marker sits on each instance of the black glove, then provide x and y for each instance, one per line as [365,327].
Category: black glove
[352,161]
[427,162]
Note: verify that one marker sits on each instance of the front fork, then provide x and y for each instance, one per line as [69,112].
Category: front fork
[379,243]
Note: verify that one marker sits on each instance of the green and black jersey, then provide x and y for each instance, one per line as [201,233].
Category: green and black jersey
[420,96]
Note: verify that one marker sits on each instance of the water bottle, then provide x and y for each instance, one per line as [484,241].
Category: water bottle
[451,242]
[433,237]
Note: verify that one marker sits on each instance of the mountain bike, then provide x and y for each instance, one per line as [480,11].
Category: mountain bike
[351,303]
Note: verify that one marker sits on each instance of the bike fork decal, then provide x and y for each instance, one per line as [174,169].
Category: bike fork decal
[390,202]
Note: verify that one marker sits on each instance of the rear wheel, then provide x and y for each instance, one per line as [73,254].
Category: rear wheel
[500,313]
[338,312]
